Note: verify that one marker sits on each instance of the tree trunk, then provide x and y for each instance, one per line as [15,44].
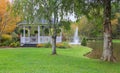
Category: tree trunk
[54,43]
[108,46]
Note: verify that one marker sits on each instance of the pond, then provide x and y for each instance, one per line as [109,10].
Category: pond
[97,47]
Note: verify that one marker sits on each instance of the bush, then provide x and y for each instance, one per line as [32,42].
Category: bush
[6,43]
[18,44]
[84,42]
[47,45]
[58,45]
[40,45]
[62,45]
[15,36]
[8,40]
[14,44]
[6,37]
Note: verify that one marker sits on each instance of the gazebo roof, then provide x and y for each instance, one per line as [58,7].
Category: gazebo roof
[35,22]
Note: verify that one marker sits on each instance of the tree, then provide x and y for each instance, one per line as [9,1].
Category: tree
[7,22]
[108,47]
[94,28]
[51,10]
[84,7]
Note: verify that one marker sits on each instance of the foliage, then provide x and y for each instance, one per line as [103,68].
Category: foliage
[47,31]
[84,42]
[14,44]
[22,30]
[7,22]
[95,10]
[50,10]
[15,36]
[35,31]
[6,37]
[95,30]
[40,45]
[58,45]
[86,27]
[65,24]
[47,45]
[63,45]
[9,40]
[6,19]
[115,25]
[6,43]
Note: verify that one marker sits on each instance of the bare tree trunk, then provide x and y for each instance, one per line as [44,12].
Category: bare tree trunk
[108,46]
[54,43]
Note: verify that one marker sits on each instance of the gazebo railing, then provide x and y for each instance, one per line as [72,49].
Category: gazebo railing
[45,39]
[42,39]
[59,39]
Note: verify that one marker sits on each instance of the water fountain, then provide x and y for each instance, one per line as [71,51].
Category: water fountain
[76,39]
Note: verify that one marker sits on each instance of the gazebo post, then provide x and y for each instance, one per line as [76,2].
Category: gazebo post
[38,34]
[29,33]
[61,35]
[24,34]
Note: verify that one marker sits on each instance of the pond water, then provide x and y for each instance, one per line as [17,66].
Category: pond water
[97,47]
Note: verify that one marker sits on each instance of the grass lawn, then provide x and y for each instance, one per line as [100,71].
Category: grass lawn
[39,60]
[116,40]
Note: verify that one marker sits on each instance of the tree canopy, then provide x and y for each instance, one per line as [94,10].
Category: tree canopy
[6,19]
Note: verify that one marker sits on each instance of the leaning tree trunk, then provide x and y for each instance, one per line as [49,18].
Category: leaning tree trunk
[54,42]
[108,47]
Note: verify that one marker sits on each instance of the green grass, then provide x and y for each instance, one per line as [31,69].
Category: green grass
[40,60]
[116,41]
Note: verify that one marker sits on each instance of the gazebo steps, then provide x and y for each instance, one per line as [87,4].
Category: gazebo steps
[29,45]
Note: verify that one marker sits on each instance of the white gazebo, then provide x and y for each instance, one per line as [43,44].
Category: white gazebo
[38,38]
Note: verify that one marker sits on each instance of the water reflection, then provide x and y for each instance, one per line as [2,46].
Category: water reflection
[98,47]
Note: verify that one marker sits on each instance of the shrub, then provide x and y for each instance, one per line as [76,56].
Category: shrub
[6,43]
[84,42]
[14,36]
[47,45]
[62,45]
[58,45]
[40,45]
[7,40]
[6,37]
[18,44]
[14,44]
